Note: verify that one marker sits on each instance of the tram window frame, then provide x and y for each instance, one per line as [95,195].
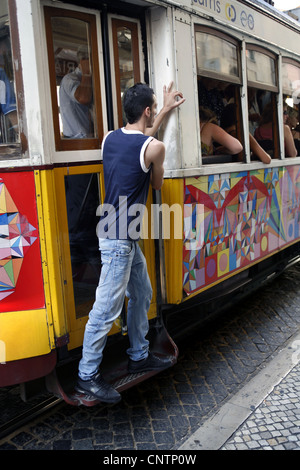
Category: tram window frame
[254,84]
[82,251]
[236,81]
[274,89]
[214,75]
[296,101]
[295,63]
[133,27]
[62,144]
[10,150]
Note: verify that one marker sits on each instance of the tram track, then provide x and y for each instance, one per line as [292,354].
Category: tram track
[27,416]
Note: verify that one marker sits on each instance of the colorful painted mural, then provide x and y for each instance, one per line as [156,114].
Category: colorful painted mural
[16,236]
[21,281]
[233,219]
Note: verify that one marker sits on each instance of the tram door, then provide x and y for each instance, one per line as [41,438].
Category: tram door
[72,50]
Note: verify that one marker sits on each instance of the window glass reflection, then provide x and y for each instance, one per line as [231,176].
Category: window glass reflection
[9,131]
[291,81]
[125,58]
[260,68]
[74,80]
[214,54]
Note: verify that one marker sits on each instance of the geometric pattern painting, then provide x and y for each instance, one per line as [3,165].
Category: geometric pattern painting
[233,219]
[16,236]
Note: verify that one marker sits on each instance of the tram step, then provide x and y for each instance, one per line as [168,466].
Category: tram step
[76,399]
[61,381]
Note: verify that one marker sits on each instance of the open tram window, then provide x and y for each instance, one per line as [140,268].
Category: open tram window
[262,80]
[291,98]
[9,127]
[74,79]
[219,81]
[126,60]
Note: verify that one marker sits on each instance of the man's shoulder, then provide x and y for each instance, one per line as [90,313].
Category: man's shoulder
[156,145]
[155,150]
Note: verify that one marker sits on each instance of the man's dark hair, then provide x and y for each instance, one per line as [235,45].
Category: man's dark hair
[136,99]
[228,116]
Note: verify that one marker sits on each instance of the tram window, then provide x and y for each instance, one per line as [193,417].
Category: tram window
[265,130]
[219,80]
[219,103]
[292,120]
[262,79]
[291,80]
[261,69]
[126,60]
[291,98]
[217,55]
[258,100]
[74,79]
[267,133]
[9,128]
[82,198]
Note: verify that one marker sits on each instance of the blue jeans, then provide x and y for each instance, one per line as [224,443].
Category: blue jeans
[124,272]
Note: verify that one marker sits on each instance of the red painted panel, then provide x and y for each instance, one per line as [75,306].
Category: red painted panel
[21,280]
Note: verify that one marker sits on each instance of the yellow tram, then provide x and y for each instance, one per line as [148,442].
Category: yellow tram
[227,222]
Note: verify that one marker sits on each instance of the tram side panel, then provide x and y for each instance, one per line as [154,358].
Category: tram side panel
[25,327]
[231,221]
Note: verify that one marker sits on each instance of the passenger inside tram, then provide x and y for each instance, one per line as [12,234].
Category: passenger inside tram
[229,92]
[212,133]
[293,123]
[76,95]
[264,133]
[254,110]
[211,95]
[228,123]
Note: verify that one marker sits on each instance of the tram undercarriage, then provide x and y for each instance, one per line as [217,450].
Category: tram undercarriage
[238,215]
[181,321]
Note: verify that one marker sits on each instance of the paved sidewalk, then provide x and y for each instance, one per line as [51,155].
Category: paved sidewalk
[263,415]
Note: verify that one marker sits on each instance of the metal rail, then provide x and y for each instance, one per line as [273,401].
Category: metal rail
[28,416]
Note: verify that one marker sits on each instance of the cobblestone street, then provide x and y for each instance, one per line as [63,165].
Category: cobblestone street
[214,364]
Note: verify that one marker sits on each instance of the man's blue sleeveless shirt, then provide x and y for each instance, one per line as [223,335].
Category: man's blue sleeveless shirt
[126,181]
